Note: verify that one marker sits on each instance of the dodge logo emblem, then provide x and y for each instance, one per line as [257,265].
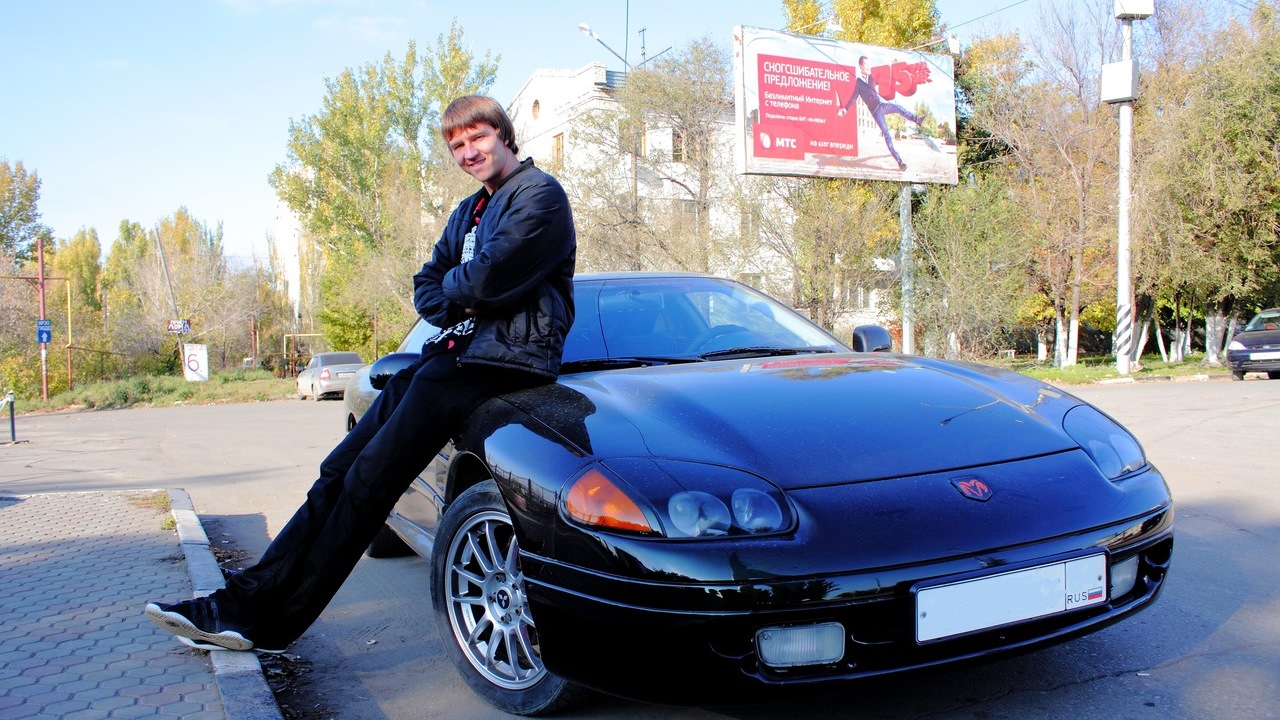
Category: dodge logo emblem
[973,488]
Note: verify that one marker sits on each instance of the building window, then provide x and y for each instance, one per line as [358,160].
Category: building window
[677,146]
[557,149]
[536,107]
[688,210]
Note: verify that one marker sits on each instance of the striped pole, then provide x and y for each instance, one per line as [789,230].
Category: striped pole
[1123,339]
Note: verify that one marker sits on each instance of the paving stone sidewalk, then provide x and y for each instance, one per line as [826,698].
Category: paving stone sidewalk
[75,572]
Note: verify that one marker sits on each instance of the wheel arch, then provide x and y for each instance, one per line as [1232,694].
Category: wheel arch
[466,470]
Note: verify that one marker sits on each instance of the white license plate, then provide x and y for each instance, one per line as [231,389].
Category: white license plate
[1272,355]
[342,375]
[995,600]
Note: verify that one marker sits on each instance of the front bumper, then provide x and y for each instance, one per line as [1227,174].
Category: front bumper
[695,643]
[1242,361]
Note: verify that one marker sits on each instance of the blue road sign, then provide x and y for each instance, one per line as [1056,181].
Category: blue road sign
[44,331]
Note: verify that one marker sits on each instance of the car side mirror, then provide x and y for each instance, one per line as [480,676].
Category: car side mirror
[871,338]
[384,367]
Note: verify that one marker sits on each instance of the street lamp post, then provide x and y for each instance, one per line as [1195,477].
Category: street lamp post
[1120,87]
[585,29]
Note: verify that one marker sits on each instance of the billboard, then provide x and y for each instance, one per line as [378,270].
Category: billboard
[819,107]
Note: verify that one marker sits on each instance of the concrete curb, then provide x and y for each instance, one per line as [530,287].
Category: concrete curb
[244,690]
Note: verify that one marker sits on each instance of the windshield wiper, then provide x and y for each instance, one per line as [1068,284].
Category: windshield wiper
[762,351]
[614,363]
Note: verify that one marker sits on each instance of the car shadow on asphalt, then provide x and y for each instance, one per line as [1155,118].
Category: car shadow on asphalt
[375,652]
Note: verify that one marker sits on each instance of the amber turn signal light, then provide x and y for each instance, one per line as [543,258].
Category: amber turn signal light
[594,499]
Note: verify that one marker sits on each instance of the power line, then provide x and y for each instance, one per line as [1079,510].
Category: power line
[1242,6]
[993,12]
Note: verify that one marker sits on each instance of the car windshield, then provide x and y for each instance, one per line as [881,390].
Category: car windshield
[656,320]
[418,334]
[1265,320]
[340,358]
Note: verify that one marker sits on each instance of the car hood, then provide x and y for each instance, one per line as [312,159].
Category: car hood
[809,421]
[1259,338]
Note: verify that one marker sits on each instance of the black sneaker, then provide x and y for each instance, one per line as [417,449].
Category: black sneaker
[197,620]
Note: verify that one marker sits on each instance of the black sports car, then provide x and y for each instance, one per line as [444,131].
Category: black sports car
[1257,347]
[719,502]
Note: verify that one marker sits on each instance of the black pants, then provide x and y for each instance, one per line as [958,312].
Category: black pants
[414,416]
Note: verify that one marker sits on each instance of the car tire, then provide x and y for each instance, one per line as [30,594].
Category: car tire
[1273,375]
[387,544]
[1237,375]
[486,628]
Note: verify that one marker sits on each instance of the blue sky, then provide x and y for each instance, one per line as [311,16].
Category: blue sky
[132,109]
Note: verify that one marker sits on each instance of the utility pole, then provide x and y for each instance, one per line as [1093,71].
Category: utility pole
[44,346]
[43,332]
[1120,87]
[906,265]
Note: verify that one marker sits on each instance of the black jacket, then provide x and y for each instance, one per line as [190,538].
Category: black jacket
[520,280]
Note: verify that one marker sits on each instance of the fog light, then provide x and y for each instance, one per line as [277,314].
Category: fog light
[801,644]
[1124,575]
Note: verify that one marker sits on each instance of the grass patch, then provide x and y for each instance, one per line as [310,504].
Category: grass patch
[1096,369]
[233,386]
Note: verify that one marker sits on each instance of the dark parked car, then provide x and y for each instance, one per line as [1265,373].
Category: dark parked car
[719,502]
[1257,347]
[327,374]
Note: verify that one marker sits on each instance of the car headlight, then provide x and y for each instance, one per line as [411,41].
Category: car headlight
[1236,345]
[1111,447]
[675,499]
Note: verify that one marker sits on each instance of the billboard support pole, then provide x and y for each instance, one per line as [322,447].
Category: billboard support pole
[906,254]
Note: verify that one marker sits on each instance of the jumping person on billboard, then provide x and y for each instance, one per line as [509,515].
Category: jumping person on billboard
[879,107]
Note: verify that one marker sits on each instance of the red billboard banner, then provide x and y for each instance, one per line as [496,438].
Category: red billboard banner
[820,107]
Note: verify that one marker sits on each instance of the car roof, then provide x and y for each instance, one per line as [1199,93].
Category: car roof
[587,277]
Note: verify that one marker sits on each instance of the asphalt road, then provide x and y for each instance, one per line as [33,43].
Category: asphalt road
[1210,648]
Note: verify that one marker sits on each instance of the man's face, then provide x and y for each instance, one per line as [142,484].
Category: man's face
[481,153]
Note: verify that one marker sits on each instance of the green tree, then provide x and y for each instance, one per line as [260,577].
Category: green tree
[1041,103]
[892,24]
[1211,206]
[372,184]
[19,212]
[174,271]
[839,228]
[654,165]
[77,260]
[832,235]
[966,239]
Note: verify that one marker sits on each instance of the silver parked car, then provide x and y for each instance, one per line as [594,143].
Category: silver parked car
[327,374]
[360,393]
